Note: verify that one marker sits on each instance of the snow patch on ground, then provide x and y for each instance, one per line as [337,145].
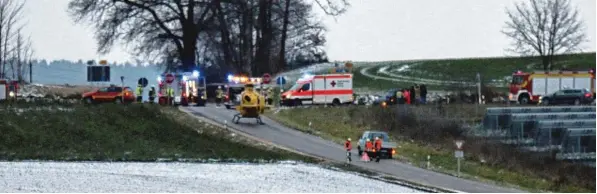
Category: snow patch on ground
[41,90]
[132,177]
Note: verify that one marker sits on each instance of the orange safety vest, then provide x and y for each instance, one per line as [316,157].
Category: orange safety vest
[368,146]
[378,144]
[348,146]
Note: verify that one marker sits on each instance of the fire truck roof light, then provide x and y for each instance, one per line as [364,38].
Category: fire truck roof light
[159,78]
[195,73]
[230,77]
[185,78]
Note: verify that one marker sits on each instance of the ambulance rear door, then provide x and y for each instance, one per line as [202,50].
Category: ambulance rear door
[329,87]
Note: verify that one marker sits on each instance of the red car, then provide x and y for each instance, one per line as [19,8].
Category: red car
[114,94]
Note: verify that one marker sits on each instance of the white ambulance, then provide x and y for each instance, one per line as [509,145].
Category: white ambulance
[332,89]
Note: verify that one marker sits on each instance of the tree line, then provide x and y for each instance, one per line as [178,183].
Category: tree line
[16,51]
[243,36]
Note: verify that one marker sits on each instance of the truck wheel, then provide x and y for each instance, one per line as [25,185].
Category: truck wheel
[577,102]
[359,150]
[336,102]
[118,100]
[545,102]
[524,99]
[227,106]
[297,102]
[88,100]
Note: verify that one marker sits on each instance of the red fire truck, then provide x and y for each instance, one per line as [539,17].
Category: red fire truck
[527,87]
[8,89]
[179,87]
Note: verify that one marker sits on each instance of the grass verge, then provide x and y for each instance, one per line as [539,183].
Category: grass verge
[72,132]
[484,161]
[117,133]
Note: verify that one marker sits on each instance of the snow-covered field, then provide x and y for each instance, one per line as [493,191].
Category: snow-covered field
[129,177]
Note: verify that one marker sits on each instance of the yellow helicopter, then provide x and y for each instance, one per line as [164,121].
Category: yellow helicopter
[252,105]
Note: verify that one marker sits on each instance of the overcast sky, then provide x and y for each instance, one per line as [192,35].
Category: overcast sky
[371,30]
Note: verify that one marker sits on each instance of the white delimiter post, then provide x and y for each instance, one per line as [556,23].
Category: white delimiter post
[478,93]
[459,154]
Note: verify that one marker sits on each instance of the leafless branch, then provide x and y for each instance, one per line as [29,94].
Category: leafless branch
[545,28]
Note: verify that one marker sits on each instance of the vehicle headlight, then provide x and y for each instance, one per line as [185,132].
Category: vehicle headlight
[11,94]
[288,96]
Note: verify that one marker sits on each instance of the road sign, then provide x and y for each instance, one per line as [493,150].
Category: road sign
[266,78]
[143,82]
[281,80]
[459,144]
[169,78]
[459,154]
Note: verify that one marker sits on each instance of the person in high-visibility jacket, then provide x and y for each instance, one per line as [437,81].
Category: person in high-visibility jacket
[417,94]
[348,148]
[399,97]
[170,94]
[369,148]
[139,94]
[219,95]
[377,148]
[270,95]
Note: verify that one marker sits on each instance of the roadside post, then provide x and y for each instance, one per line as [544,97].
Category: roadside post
[280,81]
[428,161]
[142,82]
[459,154]
[478,93]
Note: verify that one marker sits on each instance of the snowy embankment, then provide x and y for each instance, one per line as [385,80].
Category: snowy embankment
[41,90]
[183,177]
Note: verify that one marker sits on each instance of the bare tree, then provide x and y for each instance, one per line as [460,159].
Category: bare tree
[545,28]
[22,54]
[333,7]
[10,13]
[150,25]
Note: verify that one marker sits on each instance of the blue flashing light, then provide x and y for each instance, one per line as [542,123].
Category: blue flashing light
[230,77]
[196,73]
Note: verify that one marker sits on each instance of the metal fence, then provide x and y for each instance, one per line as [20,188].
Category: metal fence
[569,130]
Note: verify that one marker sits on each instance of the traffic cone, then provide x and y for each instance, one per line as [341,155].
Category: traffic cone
[365,157]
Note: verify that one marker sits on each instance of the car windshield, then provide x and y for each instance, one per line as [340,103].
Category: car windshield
[391,92]
[295,87]
[234,91]
[115,89]
[517,79]
[383,136]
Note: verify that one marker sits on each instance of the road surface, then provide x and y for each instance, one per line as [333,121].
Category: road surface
[302,142]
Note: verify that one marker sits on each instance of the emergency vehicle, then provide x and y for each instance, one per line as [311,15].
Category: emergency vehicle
[333,89]
[529,87]
[236,85]
[179,87]
[196,87]
[8,89]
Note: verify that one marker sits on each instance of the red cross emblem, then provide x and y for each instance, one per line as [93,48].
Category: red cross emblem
[333,83]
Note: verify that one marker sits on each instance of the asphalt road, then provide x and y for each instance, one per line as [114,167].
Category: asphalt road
[279,134]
